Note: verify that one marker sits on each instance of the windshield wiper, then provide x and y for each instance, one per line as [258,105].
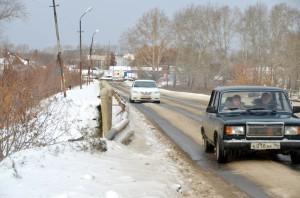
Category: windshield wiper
[233,111]
[235,108]
[257,109]
[262,110]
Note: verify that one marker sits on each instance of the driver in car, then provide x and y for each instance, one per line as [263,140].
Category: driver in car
[266,101]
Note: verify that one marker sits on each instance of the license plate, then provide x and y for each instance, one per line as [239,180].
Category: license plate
[265,145]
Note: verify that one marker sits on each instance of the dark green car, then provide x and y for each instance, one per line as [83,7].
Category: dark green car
[241,118]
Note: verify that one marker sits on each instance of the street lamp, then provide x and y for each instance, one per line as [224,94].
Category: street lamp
[80,41]
[91,50]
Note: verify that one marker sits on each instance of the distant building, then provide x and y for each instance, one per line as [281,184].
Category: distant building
[119,71]
[99,60]
[125,59]
[16,62]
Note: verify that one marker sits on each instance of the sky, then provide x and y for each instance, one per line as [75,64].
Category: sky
[111,17]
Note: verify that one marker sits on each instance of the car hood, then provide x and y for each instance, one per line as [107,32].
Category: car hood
[241,119]
[143,89]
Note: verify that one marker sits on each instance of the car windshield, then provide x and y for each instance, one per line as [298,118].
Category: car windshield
[274,101]
[148,84]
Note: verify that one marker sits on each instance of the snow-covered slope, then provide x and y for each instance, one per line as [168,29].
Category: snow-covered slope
[73,116]
[77,169]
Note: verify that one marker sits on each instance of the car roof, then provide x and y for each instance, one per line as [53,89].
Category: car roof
[247,88]
[144,81]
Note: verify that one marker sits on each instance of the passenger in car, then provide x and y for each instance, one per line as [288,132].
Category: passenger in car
[266,98]
[228,103]
[237,102]
[266,101]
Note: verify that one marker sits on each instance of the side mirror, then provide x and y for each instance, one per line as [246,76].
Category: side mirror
[211,110]
[296,109]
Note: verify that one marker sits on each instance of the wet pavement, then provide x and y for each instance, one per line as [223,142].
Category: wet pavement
[235,171]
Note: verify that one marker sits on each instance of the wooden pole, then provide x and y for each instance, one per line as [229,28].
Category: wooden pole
[59,57]
[106,108]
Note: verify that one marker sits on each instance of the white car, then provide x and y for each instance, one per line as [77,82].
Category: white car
[144,90]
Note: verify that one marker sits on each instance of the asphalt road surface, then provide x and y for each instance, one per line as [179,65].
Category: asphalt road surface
[257,175]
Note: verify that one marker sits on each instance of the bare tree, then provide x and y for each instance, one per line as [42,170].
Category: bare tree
[254,31]
[203,39]
[214,45]
[10,9]
[266,47]
[191,40]
[284,27]
[149,38]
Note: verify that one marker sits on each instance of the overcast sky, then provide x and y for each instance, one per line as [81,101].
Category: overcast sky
[111,17]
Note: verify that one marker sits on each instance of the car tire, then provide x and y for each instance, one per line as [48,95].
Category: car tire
[208,147]
[295,157]
[220,152]
[158,101]
[131,101]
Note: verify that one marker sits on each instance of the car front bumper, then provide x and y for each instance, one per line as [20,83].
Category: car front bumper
[285,145]
[141,97]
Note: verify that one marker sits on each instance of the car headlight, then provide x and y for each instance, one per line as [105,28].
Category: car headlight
[135,92]
[156,92]
[292,130]
[234,130]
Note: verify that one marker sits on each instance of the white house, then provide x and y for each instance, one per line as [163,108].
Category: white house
[125,59]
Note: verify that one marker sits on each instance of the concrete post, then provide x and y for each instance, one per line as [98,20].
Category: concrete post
[106,109]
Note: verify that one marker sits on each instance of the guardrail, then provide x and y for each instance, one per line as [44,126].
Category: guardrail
[107,130]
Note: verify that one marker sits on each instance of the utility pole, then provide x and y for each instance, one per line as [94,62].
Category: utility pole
[91,54]
[80,50]
[109,60]
[80,44]
[168,67]
[59,53]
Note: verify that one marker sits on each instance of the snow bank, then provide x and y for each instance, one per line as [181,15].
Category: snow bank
[194,96]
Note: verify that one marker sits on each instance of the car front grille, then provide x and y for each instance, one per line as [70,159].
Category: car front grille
[266,129]
[146,93]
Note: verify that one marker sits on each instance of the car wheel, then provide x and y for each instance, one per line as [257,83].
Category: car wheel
[208,148]
[295,157]
[157,101]
[220,152]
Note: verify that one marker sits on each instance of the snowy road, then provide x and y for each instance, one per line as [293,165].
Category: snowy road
[257,175]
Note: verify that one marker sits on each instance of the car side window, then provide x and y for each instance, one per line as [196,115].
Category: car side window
[216,100]
[210,104]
